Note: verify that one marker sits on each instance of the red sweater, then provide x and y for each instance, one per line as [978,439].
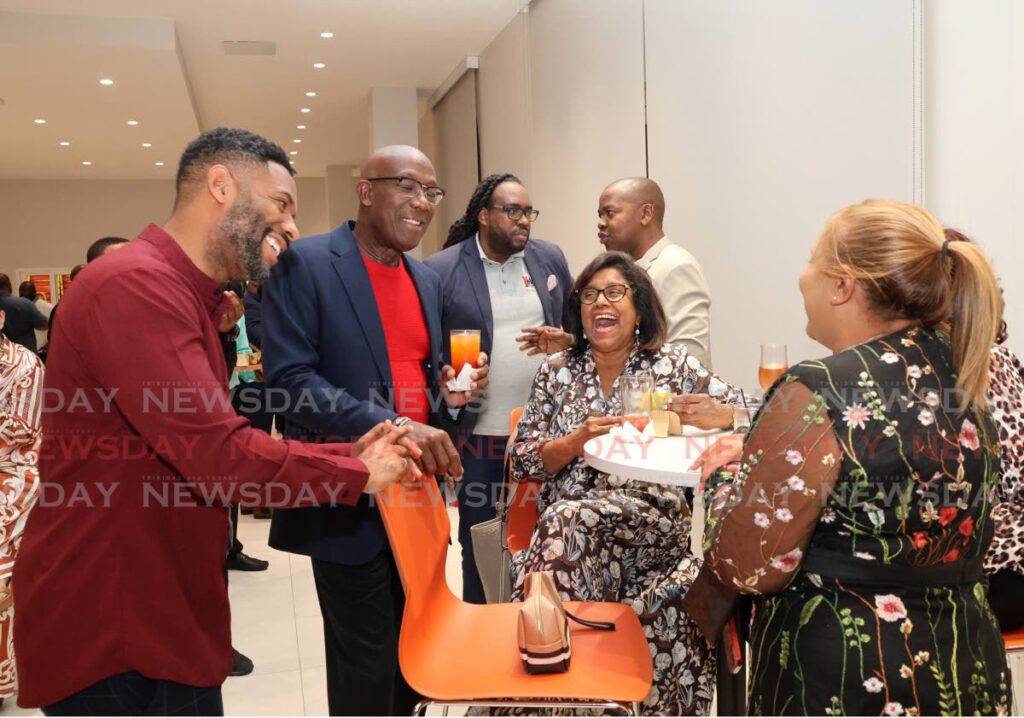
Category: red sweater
[405,332]
[121,566]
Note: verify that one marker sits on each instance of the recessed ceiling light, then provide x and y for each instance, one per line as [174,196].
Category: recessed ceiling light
[293,153]
[319,65]
[159,164]
[41,121]
[296,140]
[310,94]
[302,109]
[147,145]
[300,127]
[133,122]
[106,82]
[64,143]
[327,35]
[86,162]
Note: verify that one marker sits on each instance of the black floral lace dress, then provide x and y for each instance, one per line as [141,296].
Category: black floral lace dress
[861,517]
[611,539]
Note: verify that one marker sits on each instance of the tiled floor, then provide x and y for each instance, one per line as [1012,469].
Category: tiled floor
[276,622]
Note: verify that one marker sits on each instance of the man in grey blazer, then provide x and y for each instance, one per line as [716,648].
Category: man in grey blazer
[630,214]
[496,279]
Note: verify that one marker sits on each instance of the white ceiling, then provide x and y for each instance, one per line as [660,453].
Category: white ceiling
[171,74]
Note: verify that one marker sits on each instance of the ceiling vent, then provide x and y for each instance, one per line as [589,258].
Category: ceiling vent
[249,47]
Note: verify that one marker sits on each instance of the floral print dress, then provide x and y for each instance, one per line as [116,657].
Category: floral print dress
[21,388]
[607,538]
[861,515]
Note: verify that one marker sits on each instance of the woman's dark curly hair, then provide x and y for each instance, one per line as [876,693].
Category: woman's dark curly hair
[468,225]
[653,325]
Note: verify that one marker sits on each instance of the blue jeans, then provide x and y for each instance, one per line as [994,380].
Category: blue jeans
[482,460]
[132,694]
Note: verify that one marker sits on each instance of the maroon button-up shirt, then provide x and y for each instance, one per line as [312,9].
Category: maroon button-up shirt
[121,566]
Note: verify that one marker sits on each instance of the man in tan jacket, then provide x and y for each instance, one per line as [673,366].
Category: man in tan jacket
[630,215]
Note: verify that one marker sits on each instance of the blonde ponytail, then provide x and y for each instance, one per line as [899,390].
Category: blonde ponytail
[898,253]
[975,317]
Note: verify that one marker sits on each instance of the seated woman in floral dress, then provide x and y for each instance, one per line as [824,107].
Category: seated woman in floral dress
[861,511]
[606,538]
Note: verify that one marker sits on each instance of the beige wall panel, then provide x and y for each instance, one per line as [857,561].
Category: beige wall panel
[50,223]
[974,99]
[764,118]
[504,103]
[457,159]
[586,111]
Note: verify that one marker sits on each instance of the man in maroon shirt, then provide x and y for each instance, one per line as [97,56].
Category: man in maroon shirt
[123,603]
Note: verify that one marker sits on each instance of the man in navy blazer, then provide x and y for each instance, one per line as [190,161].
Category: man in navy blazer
[353,335]
[496,279]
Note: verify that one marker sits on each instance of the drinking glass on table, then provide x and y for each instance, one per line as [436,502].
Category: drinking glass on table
[465,346]
[773,364]
[635,392]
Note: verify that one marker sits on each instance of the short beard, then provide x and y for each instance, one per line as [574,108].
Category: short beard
[242,241]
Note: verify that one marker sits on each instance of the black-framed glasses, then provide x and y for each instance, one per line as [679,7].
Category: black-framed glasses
[411,188]
[613,293]
[515,212]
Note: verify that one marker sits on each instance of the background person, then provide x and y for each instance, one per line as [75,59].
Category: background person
[497,279]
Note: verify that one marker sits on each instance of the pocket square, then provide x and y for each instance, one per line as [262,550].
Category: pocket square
[552,282]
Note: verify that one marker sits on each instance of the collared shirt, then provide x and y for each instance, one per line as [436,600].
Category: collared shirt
[514,305]
[121,566]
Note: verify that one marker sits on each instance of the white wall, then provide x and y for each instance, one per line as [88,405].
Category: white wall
[763,119]
[974,98]
[574,70]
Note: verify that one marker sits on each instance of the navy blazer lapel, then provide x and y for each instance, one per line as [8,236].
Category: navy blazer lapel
[431,312]
[355,280]
[540,283]
[478,280]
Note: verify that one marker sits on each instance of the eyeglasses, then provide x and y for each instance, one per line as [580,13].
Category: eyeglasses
[613,293]
[515,212]
[412,188]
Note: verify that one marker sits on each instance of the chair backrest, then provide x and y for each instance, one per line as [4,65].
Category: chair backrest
[1014,640]
[416,519]
[522,507]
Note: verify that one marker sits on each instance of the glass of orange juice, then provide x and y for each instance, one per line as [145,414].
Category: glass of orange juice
[465,347]
[773,364]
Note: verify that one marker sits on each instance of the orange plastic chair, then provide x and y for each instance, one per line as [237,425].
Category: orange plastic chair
[522,507]
[456,653]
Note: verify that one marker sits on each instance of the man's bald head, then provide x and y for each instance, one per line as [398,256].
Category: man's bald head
[630,214]
[394,209]
[387,161]
[640,191]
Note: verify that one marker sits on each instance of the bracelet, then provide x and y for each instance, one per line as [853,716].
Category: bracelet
[740,420]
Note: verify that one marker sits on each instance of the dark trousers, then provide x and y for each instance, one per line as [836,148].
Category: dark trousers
[482,459]
[1006,596]
[249,401]
[362,611]
[132,694]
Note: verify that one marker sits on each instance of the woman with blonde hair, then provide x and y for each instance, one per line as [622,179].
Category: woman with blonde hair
[860,511]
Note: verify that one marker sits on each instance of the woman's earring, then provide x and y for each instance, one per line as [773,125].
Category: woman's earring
[637,333]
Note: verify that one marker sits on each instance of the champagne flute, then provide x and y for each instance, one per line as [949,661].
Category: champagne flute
[773,364]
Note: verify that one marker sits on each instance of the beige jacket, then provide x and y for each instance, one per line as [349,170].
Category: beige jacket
[684,293]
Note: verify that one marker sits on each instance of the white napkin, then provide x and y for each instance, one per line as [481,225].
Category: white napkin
[462,382]
[628,432]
